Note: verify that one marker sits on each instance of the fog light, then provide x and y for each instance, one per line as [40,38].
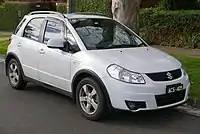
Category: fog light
[135,105]
[131,105]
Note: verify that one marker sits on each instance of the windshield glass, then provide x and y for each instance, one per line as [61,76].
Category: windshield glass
[105,34]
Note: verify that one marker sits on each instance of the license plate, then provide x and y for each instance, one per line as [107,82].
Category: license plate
[174,88]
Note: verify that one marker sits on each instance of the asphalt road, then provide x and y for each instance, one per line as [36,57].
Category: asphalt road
[40,111]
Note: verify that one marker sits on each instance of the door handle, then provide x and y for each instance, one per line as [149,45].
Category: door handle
[19,44]
[42,51]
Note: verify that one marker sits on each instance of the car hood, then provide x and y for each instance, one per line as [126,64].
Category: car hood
[141,59]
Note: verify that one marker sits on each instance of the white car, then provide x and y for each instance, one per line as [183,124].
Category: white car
[97,61]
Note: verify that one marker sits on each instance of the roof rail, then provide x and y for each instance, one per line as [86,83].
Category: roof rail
[89,13]
[47,12]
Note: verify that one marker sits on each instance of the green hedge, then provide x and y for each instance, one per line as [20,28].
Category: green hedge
[170,19]
[167,4]
[61,7]
[171,28]
[98,6]
[12,13]
[9,15]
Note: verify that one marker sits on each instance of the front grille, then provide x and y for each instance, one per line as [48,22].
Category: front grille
[168,99]
[165,76]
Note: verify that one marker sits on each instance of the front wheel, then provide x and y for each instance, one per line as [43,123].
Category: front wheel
[91,100]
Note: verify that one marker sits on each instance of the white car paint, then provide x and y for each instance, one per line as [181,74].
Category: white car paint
[135,59]
[56,62]
[58,68]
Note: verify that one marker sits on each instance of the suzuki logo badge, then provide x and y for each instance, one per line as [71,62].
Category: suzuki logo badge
[169,76]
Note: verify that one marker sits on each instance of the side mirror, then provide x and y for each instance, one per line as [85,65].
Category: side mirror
[55,43]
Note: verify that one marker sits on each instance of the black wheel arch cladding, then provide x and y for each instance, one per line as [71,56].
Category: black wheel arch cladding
[88,73]
[10,56]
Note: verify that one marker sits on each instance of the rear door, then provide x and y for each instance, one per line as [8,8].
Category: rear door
[28,45]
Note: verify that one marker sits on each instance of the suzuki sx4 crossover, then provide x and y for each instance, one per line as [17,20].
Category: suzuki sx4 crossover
[97,61]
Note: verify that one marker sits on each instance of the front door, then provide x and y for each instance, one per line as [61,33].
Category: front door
[54,64]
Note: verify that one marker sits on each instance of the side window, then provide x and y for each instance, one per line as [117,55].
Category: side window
[53,30]
[19,26]
[32,30]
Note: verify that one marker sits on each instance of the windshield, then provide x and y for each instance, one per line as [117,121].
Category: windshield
[105,34]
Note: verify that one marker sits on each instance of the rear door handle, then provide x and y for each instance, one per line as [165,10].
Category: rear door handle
[42,51]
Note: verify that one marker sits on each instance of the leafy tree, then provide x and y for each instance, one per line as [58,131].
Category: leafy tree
[167,4]
[1,1]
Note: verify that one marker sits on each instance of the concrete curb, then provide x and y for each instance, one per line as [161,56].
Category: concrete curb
[192,107]
[2,59]
[194,103]
[189,110]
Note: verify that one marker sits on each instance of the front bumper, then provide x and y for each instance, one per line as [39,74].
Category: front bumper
[152,94]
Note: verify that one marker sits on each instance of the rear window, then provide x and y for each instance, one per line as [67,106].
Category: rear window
[19,26]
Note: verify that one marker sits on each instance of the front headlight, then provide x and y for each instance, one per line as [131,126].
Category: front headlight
[124,75]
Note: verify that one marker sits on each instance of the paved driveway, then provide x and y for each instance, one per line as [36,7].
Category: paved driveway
[40,111]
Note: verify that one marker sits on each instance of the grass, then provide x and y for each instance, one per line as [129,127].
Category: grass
[4,35]
[191,64]
[3,46]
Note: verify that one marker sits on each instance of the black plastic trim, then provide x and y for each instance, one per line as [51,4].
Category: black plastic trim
[16,57]
[58,90]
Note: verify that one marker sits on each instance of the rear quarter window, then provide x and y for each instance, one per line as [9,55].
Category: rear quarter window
[19,26]
[33,28]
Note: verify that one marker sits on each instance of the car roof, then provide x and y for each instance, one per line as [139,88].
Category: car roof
[85,15]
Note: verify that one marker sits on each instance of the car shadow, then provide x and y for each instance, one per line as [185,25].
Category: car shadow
[37,89]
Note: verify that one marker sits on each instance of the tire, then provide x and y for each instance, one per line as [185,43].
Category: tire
[15,76]
[101,111]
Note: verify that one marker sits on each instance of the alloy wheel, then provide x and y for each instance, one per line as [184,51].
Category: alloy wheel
[88,99]
[13,74]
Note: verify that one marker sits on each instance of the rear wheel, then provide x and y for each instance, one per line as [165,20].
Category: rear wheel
[91,100]
[15,77]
